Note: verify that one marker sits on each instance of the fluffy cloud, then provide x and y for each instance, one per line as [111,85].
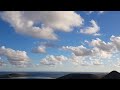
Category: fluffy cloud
[92,30]
[78,50]
[90,12]
[97,34]
[108,47]
[2,63]
[100,12]
[95,55]
[53,60]
[76,59]
[42,24]
[42,46]
[100,53]
[99,48]
[116,41]
[97,62]
[48,44]
[14,57]
[117,64]
[39,49]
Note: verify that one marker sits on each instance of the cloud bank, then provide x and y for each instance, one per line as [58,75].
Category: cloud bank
[44,24]
[100,50]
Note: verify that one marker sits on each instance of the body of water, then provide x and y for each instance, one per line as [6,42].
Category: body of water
[33,75]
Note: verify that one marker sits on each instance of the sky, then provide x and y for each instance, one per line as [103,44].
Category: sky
[75,41]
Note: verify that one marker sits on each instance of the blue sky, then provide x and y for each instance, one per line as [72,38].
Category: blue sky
[58,50]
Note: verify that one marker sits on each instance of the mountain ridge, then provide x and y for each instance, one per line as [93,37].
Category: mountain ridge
[112,75]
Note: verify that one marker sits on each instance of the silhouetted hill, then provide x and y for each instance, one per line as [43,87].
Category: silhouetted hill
[112,75]
[79,76]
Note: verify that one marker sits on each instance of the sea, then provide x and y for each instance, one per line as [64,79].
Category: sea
[34,75]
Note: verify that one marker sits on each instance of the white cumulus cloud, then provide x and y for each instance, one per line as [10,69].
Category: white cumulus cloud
[77,60]
[48,44]
[95,54]
[53,60]
[99,12]
[97,62]
[2,63]
[91,30]
[14,57]
[42,24]
[42,47]
[108,47]
[78,50]
[116,41]
[39,49]
[99,48]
